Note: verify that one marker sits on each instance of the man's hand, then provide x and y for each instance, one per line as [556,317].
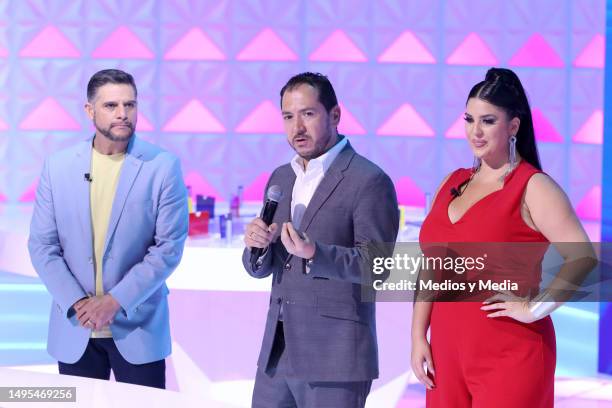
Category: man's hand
[258,235]
[295,244]
[81,302]
[96,312]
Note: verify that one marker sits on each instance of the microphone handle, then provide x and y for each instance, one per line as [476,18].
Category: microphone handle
[267,215]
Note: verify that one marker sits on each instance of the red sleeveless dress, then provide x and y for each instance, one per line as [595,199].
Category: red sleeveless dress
[483,362]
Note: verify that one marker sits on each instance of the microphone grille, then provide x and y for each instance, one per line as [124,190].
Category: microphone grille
[274,193]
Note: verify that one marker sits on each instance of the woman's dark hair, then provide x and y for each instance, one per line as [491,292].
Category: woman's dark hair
[502,88]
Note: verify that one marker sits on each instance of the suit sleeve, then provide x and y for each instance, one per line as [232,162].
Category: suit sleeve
[46,251]
[375,223]
[262,271]
[171,228]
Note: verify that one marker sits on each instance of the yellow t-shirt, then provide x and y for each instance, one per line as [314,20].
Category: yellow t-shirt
[105,171]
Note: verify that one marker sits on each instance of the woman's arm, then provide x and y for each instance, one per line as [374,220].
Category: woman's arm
[548,210]
[421,351]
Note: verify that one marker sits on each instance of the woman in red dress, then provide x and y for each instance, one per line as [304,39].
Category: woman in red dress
[502,354]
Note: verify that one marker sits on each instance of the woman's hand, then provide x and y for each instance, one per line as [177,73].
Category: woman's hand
[421,357]
[506,304]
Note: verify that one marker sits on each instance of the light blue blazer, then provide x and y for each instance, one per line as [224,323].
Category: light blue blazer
[144,244]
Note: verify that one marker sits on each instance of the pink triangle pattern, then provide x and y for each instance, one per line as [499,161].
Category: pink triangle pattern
[408,193]
[2,198]
[589,208]
[407,48]
[348,123]
[593,55]
[265,118]
[338,47]
[592,130]
[3,125]
[50,42]
[255,191]
[143,124]
[49,115]
[195,46]
[200,186]
[194,117]
[536,52]
[267,46]
[122,43]
[472,51]
[29,194]
[405,121]
[544,130]
[3,52]
[457,129]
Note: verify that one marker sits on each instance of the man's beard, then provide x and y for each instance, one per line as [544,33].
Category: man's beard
[107,133]
[319,149]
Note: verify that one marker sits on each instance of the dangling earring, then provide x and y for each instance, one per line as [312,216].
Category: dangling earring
[476,164]
[512,148]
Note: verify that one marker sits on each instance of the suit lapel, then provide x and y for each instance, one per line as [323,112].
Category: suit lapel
[284,206]
[284,210]
[81,187]
[332,177]
[129,171]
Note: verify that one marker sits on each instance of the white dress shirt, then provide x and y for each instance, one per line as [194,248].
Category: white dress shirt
[307,181]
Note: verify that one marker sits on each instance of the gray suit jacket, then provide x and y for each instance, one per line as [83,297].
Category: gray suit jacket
[330,334]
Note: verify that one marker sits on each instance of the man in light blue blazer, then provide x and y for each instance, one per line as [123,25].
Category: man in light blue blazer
[109,226]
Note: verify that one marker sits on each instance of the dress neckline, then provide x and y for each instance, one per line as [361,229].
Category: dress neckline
[481,199]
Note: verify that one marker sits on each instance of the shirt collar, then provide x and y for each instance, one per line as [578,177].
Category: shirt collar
[322,162]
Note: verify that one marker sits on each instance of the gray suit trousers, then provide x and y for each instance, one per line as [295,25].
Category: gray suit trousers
[276,387]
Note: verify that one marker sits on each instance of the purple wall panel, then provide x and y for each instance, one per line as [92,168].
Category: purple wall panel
[216,63]
[209,73]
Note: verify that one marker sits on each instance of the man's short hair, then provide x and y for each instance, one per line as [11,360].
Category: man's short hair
[108,76]
[327,95]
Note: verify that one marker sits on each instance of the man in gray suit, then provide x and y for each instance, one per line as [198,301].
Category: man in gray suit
[319,347]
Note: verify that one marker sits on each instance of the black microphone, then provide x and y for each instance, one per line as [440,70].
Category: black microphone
[87,177]
[267,214]
[455,192]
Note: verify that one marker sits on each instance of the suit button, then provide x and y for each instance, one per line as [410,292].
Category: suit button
[279,301]
[287,266]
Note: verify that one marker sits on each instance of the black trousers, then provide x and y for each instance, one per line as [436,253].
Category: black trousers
[101,356]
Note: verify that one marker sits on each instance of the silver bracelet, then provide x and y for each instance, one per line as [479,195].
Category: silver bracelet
[543,305]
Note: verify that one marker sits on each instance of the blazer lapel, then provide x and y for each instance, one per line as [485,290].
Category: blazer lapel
[129,171]
[284,206]
[331,179]
[284,212]
[81,187]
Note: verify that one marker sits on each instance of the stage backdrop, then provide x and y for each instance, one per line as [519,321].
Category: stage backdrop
[209,73]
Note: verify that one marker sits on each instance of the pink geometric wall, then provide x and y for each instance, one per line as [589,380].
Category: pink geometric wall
[209,73]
